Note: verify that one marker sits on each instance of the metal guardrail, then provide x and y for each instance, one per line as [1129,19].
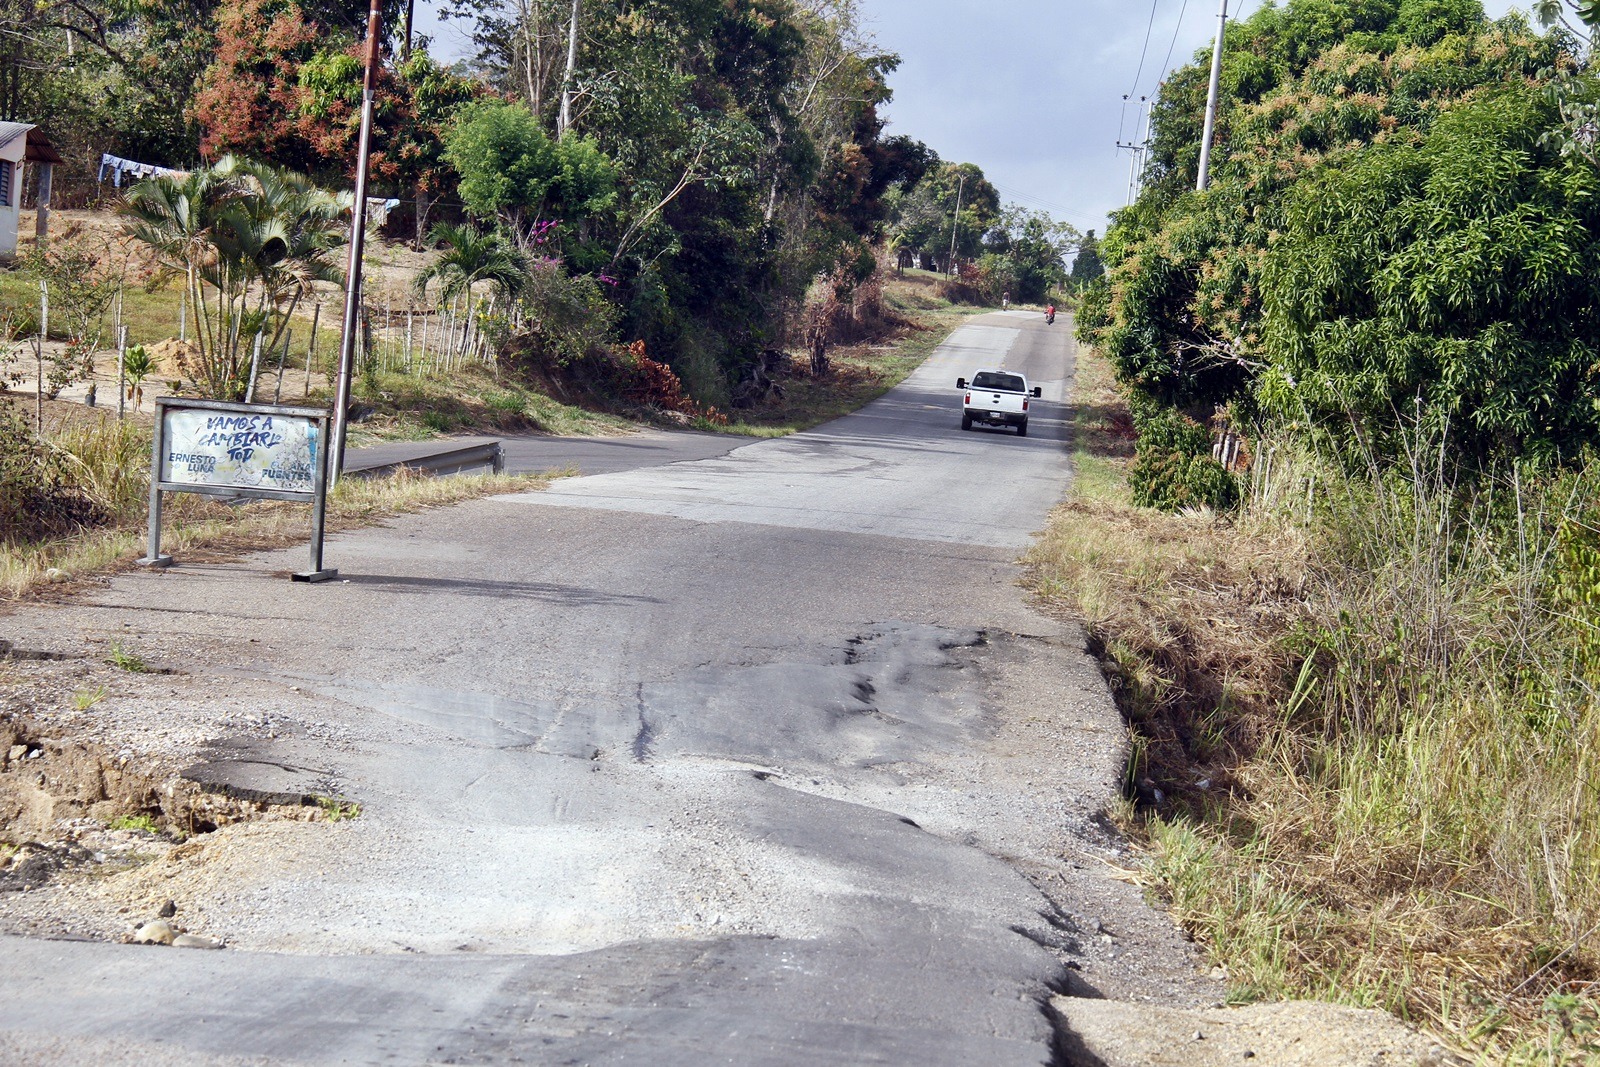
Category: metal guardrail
[446,461]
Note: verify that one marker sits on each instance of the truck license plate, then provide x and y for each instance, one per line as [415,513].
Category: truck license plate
[994,414]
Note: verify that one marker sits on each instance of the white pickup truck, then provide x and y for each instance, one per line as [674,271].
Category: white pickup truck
[996,398]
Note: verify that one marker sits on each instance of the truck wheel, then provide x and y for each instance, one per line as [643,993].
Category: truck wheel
[1022,429]
[966,422]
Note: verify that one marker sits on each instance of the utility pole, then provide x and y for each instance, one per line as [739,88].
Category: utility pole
[954,222]
[1211,102]
[1137,150]
[358,240]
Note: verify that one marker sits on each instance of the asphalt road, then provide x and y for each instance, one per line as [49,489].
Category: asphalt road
[760,758]
[539,453]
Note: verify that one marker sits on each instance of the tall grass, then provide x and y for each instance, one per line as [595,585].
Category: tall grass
[107,460]
[1367,705]
[1443,755]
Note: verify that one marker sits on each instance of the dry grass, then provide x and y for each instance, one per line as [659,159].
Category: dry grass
[1369,740]
[108,461]
[1187,612]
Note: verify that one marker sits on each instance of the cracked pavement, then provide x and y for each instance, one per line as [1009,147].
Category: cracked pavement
[758,757]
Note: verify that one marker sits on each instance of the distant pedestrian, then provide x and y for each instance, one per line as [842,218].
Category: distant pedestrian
[1005,301]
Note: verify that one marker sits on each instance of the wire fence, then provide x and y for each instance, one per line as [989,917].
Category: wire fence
[398,332]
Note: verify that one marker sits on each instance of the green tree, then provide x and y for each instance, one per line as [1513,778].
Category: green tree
[1454,276]
[1181,311]
[514,172]
[745,146]
[1087,267]
[928,219]
[1035,246]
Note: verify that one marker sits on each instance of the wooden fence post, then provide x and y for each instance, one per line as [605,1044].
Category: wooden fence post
[122,369]
[311,346]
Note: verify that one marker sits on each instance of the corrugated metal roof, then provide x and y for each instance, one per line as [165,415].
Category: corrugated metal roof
[39,149]
[10,131]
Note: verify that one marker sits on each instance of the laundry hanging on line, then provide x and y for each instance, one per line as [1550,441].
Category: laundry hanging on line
[136,171]
[378,209]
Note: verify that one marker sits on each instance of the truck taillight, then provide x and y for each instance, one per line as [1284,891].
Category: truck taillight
[1024,405]
[968,400]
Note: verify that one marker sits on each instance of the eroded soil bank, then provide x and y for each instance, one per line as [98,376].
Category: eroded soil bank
[102,819]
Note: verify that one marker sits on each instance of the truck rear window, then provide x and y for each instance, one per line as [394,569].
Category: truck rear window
[1006,383]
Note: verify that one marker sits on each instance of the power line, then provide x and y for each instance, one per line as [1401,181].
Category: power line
[1030,199]
[1143,52]
[1166,68]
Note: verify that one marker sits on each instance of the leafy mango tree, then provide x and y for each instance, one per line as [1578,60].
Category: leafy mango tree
[1456,277]
[1311,88]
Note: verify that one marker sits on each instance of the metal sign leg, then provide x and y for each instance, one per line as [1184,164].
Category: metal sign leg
[153,556]
[319,514]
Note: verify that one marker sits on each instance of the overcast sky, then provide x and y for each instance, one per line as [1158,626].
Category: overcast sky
[1031,90]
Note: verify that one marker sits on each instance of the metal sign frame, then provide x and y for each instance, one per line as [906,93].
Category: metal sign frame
[317,497]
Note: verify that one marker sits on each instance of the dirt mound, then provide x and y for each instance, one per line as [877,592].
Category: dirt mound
[170,359]
[1294,1034]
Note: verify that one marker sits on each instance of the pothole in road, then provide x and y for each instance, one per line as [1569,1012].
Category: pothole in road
[72,808]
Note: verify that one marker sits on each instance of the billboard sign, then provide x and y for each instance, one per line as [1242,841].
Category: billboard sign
[247,451]
[240,450]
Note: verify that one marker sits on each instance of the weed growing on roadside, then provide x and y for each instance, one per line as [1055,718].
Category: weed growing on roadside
[122,659]
[143,823]
[508,403]
[84,699]
[335,809]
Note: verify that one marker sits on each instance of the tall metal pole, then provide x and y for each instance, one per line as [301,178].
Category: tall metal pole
[954,222]
[358,237]
[1211,102]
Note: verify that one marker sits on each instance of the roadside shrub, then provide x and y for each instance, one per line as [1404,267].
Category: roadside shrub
[969,286]
[36,498]
[1173,468]
[699,365]
[654,385]
[1000,277]
[107,461]
[568,317]
[609,378]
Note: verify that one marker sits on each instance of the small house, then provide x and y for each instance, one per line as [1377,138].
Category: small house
[20,144]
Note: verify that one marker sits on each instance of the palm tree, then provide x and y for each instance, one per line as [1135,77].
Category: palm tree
[174,217]
[250,240]
[283,233]
[471,256]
